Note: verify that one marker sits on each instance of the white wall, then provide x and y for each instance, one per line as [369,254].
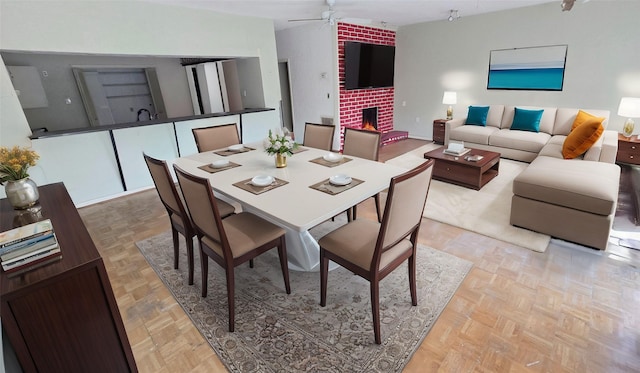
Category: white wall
[603,60]
[131,29]
[310,50]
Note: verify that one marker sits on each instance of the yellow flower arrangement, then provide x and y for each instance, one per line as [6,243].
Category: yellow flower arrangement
[15,162]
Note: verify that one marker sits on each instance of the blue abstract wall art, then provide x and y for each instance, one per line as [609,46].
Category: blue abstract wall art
[531,68]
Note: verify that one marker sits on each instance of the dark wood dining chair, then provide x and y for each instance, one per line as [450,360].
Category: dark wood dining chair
[178,216]
[216,137]
[319,136]
[363,144]
[231,241]
[373,250]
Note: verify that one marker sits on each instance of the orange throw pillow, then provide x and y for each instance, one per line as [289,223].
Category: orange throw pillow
[582,117]
[582,138]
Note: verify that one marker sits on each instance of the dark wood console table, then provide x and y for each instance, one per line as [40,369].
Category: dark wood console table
[63,317]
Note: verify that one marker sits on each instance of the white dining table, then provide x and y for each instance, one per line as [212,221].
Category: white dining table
[295,206]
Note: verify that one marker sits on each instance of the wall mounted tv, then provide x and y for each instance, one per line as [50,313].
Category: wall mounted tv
[368,65]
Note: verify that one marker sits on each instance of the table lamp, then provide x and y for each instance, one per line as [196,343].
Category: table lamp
[630,108]
[449,98]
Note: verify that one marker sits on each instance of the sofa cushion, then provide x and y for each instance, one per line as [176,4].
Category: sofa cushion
[526,120]
[494,117]
[581,185]
[565,117]
[521,140]
[546,122]
[582,137]
[553,148]
[473,134]
[582,117]
[477,115]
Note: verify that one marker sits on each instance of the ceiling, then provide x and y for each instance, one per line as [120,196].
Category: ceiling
[392,13]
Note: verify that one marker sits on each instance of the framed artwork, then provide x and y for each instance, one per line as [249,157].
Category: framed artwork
[532,68]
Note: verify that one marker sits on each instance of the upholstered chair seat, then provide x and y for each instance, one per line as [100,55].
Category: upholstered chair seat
[354,241]
[245,231]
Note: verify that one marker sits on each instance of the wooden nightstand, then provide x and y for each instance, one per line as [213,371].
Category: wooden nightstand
[438,130]
[628,149]
[629,158]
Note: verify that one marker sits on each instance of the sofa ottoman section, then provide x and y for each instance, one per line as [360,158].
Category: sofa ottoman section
[573,200]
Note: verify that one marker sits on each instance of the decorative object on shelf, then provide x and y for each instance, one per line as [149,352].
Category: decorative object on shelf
[449,98]
[280,144]
[21,191]
[630,108]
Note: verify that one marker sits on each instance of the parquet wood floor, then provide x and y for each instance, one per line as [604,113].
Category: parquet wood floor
[565,310]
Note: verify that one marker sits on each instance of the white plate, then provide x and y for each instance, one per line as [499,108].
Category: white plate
[332,157]
[340,179]
[235,148]
[220,163]
[262,180]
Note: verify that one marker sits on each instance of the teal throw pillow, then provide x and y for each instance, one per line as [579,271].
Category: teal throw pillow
[527,120]
[477,115]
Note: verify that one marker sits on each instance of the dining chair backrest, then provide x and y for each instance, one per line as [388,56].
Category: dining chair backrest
[405,204]
[203,208]
[361,143]
[166,188]
[319,136]
[216,137]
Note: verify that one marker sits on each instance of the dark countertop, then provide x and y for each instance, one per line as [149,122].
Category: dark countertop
[75,131]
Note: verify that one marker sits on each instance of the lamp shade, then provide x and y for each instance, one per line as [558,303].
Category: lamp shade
[629,107]
[449,98]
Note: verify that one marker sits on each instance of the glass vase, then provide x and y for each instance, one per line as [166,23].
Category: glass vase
[22,193]
[281,160]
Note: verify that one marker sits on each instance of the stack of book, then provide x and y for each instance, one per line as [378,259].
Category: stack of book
[28,246]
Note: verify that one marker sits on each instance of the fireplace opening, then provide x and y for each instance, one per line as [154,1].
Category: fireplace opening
[370,119]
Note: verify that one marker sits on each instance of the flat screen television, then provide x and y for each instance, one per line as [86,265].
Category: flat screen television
[368,65]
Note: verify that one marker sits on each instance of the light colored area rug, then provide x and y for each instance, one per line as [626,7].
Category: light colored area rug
[276,332]
[485,211]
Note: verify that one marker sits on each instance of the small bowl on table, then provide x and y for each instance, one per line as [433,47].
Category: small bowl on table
[220,163]
[340,180]
[332,157]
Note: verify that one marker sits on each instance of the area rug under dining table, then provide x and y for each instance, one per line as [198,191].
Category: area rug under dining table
[279,332]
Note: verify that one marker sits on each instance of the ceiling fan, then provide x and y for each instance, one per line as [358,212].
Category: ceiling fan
[327,16]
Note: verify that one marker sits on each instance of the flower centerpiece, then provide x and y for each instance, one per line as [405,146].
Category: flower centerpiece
[281,144]
[21,191]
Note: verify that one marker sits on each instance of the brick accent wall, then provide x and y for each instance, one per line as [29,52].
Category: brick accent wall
[353,101]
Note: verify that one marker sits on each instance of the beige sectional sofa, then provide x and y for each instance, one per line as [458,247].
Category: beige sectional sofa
[572,199]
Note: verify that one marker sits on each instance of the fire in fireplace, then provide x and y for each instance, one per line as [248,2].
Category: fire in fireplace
[370,119]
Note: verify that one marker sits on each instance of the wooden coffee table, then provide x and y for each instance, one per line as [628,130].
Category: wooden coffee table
[457,170]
